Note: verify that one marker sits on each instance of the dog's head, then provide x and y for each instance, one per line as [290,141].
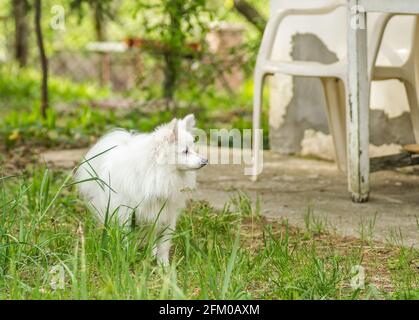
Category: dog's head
[179,149]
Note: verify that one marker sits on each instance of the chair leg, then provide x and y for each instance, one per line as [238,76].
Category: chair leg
[257,110]
[412,96]
[334,90]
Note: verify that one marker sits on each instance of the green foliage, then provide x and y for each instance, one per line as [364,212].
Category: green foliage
[174,22]
[179,26]
[104,6]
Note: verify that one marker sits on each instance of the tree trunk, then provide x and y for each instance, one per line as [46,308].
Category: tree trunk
[172,57]
[251,14]
[43,58]
[100,31]
[20,11]
[170,77]
[99,22]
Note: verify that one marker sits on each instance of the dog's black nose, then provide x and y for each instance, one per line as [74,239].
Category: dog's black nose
[204,162]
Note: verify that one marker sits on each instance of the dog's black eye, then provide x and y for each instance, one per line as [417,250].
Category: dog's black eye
[186,151]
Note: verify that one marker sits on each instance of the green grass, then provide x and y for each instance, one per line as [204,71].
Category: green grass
[52,248]
[72,122]
[20,90]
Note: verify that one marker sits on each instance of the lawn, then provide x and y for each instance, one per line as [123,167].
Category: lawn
[52,248]
[75,121]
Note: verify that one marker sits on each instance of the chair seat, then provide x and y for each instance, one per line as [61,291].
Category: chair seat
[316,69]
[387,73]
[306,68]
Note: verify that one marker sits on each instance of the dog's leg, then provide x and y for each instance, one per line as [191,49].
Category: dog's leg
[164,244]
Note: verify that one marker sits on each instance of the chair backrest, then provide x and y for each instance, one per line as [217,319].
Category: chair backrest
[331,30]
[398,44]
[399,41]
[333,37]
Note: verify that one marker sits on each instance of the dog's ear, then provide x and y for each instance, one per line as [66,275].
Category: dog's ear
[189,122]
[173,127]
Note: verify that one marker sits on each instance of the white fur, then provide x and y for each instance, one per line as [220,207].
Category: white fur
[141,174]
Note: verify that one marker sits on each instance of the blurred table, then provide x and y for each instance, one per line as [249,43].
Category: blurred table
[105,48]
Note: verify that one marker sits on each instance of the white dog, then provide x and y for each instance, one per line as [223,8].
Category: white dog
[141,177]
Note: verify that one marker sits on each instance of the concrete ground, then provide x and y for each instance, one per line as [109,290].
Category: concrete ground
[289,186]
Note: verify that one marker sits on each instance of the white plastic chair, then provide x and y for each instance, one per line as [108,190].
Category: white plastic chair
[333,76]
[408,74]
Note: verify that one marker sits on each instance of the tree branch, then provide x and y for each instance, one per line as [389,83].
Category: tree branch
[251,14]
[43,57]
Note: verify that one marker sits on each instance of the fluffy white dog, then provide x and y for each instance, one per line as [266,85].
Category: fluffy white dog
[141,177]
